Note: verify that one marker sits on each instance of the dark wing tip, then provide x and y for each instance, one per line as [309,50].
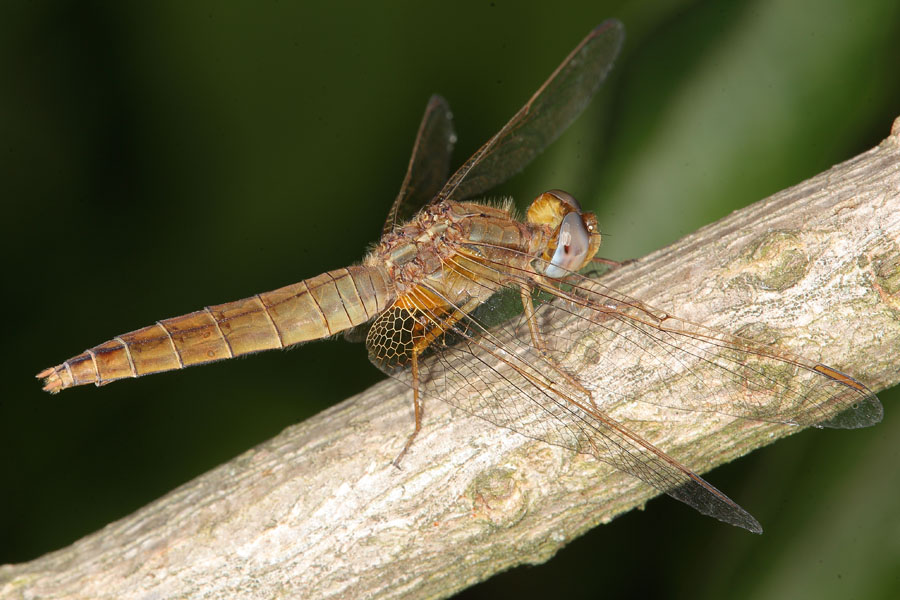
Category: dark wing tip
[863,409]
[864,412]
[709,501]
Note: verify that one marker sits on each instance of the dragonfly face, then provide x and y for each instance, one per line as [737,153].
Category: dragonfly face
[435,295]
[576,237]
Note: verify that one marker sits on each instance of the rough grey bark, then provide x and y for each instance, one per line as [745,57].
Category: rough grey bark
[318,512]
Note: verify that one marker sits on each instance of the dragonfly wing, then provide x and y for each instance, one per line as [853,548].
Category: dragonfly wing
[429,164]
[544,117]
[496,374]
[693,368]
[486,363]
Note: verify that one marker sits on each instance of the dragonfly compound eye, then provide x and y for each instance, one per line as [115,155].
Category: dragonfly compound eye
[565,198]
[572,247]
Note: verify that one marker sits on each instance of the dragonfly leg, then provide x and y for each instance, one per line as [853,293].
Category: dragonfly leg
[538,342]
[417,408]
[438,326]
[615,264]
[595,269]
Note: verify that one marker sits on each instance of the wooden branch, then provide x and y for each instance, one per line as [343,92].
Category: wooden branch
[319,512]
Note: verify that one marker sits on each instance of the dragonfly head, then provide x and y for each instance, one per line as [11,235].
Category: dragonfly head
[575,236]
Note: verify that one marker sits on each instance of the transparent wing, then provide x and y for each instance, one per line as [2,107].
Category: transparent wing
[698,369]
[694,368]
[543,118]
[489,367]
[429,164]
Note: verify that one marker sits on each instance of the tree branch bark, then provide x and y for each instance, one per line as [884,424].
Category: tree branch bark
[318,512]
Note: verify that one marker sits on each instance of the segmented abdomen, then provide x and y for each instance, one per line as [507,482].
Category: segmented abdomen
[309,310]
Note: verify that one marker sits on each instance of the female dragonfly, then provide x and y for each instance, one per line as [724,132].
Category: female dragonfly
[432,298]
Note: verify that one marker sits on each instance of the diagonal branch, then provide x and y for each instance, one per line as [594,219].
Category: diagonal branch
[319,512]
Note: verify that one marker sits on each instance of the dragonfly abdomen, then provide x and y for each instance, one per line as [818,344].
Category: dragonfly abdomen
[311,309]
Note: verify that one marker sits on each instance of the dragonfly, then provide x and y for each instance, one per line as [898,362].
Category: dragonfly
[468,303]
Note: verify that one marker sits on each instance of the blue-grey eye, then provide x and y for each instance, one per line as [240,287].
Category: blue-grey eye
[572,246]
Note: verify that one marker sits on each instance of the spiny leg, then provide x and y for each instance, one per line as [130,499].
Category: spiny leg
[538,342]
[439,326]
[417,408]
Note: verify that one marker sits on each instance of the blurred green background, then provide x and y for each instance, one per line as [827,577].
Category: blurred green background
[159,157]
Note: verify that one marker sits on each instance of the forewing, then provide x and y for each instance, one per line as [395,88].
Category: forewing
[626,343]
[544,117]
[429,164]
